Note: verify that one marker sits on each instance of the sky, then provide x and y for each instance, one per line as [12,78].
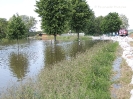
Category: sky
[100,7]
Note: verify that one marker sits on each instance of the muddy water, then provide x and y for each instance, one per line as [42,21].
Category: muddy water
[19,61]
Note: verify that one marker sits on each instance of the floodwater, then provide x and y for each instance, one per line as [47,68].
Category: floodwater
[116,77]
[19,61]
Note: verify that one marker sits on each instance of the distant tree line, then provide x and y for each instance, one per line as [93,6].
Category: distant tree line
[17,27]
[59,16]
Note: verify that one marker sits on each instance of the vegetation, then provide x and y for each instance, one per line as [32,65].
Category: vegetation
[80,16]
[111,23]
[90,27]
[54,14]
[3,26]
[16,28]
[86,76]
[98,23]
[62,16]
[125,87]
[73,38]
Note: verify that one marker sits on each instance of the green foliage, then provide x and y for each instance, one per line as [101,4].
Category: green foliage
[16,28]
[3,27]
[73,38]
[98,22]
[99,78]
[111,23]
[80,16]
[29,22]
[90,27]
[54,14]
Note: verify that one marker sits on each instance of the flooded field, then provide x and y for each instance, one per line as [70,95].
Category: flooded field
[19,61]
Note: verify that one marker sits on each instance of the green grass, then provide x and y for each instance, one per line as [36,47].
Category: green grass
[5,41]
[72,37]
[85,77]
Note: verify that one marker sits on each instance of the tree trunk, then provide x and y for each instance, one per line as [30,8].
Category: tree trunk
[78,36]
[54,37]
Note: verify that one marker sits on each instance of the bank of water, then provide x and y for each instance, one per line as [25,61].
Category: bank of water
[25,59]
[87,76]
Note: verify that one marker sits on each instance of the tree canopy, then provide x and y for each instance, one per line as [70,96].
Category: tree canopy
[98,22]
[54,14]
[90,27]
[16,28]
[3,27]
[111,23]
[80,16]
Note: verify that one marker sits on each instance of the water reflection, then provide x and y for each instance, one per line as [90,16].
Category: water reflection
[78,47]
[18,65]
[27,59]
[53,53]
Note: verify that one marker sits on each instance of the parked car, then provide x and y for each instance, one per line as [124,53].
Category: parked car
[123,32]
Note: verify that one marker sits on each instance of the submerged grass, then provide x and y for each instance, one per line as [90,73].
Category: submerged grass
[85,77]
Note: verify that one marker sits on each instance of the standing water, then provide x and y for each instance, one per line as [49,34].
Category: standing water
[26,59]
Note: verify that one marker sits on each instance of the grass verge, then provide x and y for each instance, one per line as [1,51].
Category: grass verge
[72,37]
[85,77]
[126,75]
[123,92]
[64,38]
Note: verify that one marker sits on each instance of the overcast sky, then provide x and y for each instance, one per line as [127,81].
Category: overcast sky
[100,7]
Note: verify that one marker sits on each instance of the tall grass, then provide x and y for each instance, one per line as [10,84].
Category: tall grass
[85,77]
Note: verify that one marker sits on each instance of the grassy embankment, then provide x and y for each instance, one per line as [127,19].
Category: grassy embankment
[85,77]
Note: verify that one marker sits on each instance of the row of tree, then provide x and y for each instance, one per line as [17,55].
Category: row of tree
[17,27]
[58,16]
[110,23]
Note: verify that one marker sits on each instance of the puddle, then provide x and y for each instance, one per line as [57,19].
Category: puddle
[116,68]
[117,74]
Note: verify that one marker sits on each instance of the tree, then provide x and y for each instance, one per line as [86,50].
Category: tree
[124,20]
[3,27]
[111,23]
[103,26]
[54,14]
[29,22]
[16,28]
[90,26]
[98,22]
[80,16]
